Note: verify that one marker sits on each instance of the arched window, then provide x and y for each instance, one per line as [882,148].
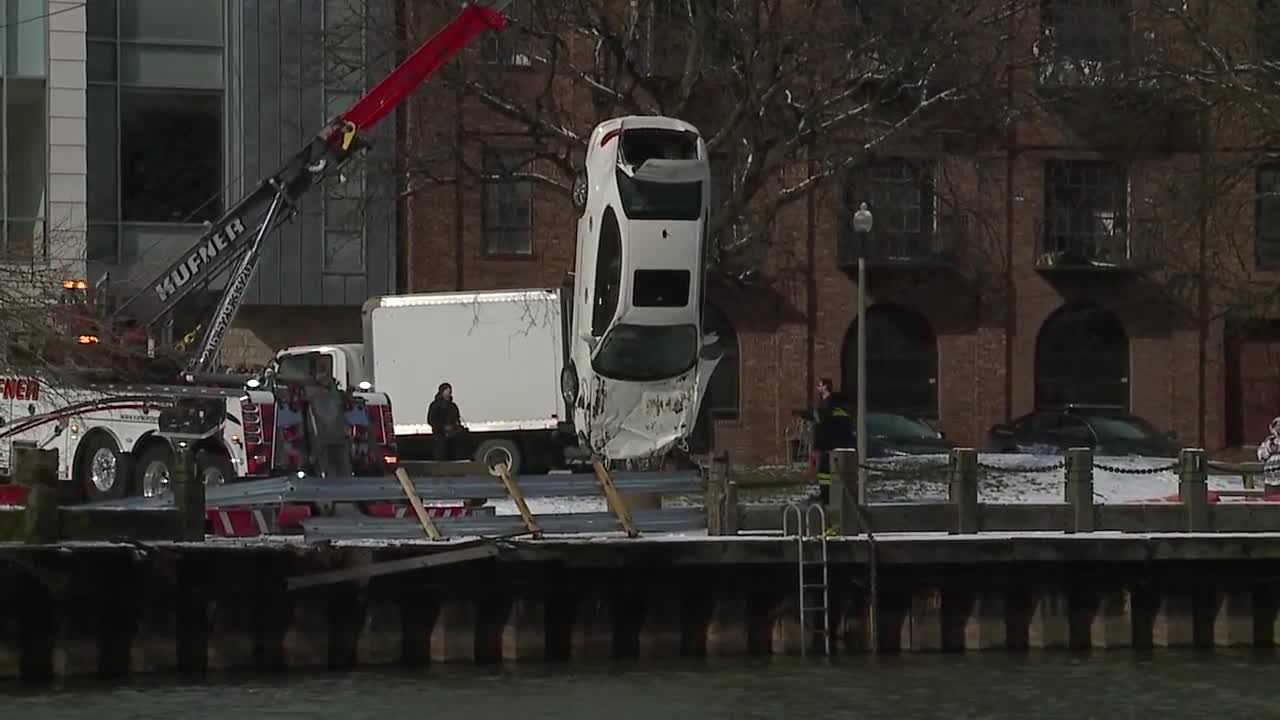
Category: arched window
[1082,358]
[724,391]
[902,362]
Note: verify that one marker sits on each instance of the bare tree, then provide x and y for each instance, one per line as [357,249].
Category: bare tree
[791,94]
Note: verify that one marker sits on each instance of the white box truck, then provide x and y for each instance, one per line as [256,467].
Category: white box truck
[502,351]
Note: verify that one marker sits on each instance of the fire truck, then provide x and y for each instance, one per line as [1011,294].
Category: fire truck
[116,431]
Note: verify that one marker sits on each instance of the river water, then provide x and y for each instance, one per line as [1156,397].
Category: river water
[992,686]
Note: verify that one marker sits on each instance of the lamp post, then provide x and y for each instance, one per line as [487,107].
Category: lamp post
[862,220]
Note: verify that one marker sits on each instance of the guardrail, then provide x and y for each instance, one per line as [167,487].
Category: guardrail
[1194,508]
[389,508]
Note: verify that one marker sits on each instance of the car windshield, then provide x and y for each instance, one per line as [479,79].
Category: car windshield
[644,200]
[898,426]
[1122,428]
[646,352]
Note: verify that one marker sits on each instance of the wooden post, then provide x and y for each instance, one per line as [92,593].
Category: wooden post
[424,519]
[732,513]
[716,499]
[38,471]
[1079,490]
[615,502]
[1192,488]
[964,489]
[844,491]
[517,497]
[188,495]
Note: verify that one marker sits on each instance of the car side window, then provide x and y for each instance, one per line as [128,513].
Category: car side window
[1035,426]
[608,278]
[1074,432]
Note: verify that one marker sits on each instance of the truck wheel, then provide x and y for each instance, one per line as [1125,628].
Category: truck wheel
[569,385]
[215,469]
[153,469]
[497,451]
[101,470]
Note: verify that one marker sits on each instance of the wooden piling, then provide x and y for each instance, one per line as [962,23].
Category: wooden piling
[1193,489]
[1079,490]
[964,489]
[188,495]
[38,471]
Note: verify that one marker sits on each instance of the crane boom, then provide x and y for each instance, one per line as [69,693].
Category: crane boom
[240,232]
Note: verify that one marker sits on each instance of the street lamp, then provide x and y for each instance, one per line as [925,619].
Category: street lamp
[862,221]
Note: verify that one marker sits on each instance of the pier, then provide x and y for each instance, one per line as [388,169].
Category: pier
[953,575]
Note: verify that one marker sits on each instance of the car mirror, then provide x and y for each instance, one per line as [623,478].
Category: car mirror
[589,340]
[710,339]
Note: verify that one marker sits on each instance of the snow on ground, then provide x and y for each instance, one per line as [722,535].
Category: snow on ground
[1003,479]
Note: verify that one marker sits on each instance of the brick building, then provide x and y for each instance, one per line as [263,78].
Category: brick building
[1049,266]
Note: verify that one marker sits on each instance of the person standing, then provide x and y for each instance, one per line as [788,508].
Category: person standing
[1269,456]
[445,422]
[327,425]
[832,429]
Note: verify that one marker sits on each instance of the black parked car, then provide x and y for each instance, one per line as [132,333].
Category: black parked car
[1106,432]
[889,434]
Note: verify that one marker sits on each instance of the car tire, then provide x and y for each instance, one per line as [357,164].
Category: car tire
[569,385]
[154,469]
[102,472]
[496,450]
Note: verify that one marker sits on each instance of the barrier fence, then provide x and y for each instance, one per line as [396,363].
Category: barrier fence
[1194,508]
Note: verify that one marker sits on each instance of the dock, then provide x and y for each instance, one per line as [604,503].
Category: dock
[782,579]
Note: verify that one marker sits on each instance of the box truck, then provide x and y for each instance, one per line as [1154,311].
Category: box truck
[503,353]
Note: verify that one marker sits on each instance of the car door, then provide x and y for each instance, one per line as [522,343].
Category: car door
[1034,434]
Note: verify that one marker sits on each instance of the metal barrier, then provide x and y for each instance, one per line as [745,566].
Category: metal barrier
[652,521]
[276,491]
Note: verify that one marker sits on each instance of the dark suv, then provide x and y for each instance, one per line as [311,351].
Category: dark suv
[1106,432]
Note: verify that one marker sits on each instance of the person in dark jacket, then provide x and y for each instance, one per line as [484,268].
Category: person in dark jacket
[445,422]
[327,425]
[833,429]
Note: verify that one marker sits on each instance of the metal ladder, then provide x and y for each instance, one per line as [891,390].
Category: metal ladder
[814,595]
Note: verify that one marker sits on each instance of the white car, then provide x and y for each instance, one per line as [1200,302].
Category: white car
[639,365]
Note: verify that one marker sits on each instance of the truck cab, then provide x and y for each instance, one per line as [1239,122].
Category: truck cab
[345,363]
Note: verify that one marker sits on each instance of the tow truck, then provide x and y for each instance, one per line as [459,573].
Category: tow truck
[116,438]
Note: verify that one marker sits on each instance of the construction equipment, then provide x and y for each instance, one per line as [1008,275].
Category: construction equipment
[114,439]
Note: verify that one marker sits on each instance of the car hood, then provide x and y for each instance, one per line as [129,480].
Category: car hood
[629,420]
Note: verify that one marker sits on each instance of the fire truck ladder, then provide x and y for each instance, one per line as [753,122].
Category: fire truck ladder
[811,564]
[240,232]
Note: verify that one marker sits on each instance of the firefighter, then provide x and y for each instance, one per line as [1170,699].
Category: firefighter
[833,428]
[327,424]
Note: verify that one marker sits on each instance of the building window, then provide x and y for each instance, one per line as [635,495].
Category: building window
[1267,29]
[1085,211]
[153,187]
[1082,358]
[1267,217]
[900,195]
[509,47]
[345,79]
[902,362]
[1083,42]
[25,169]
[508,203]
[155,124]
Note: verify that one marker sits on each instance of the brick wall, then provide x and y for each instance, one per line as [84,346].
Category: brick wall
[986,311]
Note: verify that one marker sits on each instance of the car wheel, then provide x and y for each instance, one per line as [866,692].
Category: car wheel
[101,469]
[497,451]
[579,193]
[569,385]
